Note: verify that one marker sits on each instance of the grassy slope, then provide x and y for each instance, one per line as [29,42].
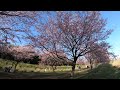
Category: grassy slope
[104,71]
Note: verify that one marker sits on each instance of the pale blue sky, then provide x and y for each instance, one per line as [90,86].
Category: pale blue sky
[113,22]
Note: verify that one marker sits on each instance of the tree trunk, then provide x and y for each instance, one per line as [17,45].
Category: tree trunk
[73,69]
[16,65]
[53,68]
[91,66]
[73,66]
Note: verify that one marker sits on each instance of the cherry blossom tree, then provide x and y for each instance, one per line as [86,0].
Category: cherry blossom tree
[100,55]
[54,61]
[73,32]
[23,53]
[14,23]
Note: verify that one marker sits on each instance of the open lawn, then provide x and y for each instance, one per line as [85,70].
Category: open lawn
[103,71]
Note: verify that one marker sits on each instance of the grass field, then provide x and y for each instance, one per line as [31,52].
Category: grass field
[28,71]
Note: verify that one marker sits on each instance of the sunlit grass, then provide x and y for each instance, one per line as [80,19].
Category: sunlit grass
[115,63]
[28,71]
[24,67]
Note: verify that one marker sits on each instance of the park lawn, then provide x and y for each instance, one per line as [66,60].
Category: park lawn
[40,75]
[103,71]
[34,75]
[29,71]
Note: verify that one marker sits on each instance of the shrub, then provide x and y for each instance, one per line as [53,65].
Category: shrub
[35,60]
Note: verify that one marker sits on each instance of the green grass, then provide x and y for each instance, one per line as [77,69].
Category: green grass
[28,71]
[104,71]
[34,75]
[31,67]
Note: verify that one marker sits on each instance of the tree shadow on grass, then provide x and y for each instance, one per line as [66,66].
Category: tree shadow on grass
[33,75]
[103,71]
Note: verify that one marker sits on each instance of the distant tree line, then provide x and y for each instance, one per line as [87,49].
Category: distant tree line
[27,54]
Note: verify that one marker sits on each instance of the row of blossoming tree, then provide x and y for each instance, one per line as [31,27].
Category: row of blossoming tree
[75,33]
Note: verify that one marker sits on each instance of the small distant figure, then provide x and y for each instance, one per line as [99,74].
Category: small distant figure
[45,70]
[9,69]
[12,70]
[79,68]
[87,66]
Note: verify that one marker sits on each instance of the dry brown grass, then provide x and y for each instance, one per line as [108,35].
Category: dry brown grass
[115,63]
